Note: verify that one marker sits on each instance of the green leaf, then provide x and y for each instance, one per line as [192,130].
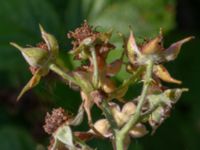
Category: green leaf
[12,137]
[137,14]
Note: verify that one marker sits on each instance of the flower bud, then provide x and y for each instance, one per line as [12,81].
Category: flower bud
[103,127]
[122,116]
[138,131]
[129,108]
[118,116]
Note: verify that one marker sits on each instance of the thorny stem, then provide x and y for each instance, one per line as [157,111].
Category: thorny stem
[60,72]
[95,73]
[121,134]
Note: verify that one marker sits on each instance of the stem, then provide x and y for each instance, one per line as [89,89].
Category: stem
[61,73]
[120,135]
[95,73]
[109,116]
[119,139]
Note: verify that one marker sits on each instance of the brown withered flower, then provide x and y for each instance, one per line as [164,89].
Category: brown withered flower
[54,120]
[81,33]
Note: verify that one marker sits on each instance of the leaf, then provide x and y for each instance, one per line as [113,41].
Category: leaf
[137,15]
[161,72]
[14,137]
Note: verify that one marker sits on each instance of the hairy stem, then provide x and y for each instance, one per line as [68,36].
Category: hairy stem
[121,134]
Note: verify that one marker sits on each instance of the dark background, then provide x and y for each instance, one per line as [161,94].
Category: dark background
[21,123]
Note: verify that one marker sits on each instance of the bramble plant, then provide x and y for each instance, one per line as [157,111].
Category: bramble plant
[124,119]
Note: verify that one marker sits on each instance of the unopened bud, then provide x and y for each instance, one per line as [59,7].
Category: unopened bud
[138,131]
[129,108]
[103,127]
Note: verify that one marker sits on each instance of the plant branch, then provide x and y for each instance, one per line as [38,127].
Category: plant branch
[95,72]
[120,135]
[56,69]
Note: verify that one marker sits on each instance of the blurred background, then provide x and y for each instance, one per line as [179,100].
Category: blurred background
[21,123]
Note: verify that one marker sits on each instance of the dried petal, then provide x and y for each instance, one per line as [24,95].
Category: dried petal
[84,136]
[172,52]
[114,67]
[161,72]
[108,86]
